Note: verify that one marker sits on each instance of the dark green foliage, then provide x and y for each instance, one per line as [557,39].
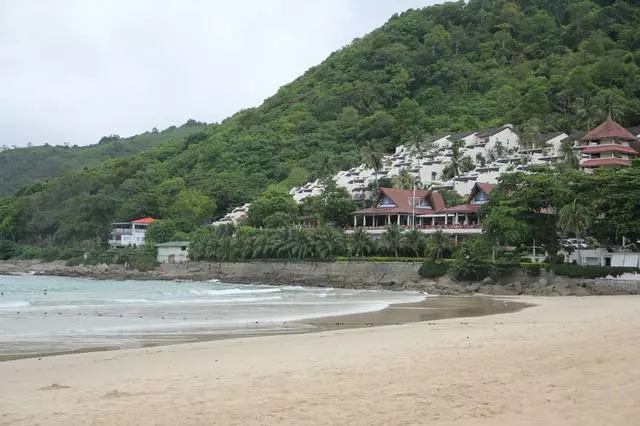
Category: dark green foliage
[431,269]
[274,201]
[20,166]
[472,260]
[378,259]
[577,271]
[7,249]
[162,231]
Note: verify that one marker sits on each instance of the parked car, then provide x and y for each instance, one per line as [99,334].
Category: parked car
[574,244]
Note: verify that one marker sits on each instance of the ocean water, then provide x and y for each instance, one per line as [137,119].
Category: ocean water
[48,315]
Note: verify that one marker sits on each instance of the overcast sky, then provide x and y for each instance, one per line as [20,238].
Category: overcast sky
[75,70]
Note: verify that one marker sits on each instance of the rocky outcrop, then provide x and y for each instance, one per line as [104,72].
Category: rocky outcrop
[360,275]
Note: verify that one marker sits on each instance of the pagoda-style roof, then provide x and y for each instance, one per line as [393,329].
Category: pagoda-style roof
[144,221]
[622,149]
[600,162]
[609,130]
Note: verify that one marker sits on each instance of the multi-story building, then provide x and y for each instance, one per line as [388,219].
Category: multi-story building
[609,144]
[129,234]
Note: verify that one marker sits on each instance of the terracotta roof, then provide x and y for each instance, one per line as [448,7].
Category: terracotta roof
[144,220]
[402,199]
[464,208]
[609,148]
[598,162]
[609,129]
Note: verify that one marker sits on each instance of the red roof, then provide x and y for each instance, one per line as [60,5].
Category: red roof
[607,130]
[146,220]
[480,186]
[402,200]
[598,162]
[595,149]
[464,208]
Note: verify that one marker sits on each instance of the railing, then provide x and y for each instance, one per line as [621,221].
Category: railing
[427,227]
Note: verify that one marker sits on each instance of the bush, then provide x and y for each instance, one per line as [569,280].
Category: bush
[431,269]
[7,250]
[378,259]
[577,271]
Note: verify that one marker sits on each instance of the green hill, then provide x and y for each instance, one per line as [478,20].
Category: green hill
[19,166]
[542,65]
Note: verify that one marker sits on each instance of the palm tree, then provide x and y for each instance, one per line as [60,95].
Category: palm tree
[404,180]
[570,159]
[326,242]
[415,241]
[360,243]
[437,244]
[392,239]
[574,218]
[372,154]
[458,164]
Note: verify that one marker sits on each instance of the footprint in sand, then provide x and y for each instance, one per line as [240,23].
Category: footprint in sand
[115,394]
[55,386]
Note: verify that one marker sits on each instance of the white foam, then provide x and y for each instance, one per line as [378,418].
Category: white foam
[15,304]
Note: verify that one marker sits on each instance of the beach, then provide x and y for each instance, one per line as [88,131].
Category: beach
[566,361]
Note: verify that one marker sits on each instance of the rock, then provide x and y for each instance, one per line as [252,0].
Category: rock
[487,281]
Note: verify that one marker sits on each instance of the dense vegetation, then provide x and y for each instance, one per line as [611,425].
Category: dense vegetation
[20,166]
[539,64]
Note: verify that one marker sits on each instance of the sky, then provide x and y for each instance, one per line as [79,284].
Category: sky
[75,70]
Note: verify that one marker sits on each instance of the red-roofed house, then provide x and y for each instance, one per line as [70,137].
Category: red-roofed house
[424,208]
[129,234]
[609,144]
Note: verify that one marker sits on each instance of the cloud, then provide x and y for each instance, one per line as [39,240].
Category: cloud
[75,70]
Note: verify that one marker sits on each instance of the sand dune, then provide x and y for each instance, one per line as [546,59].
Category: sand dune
[568,361]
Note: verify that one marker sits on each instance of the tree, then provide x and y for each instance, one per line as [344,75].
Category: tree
[438,244]
[274,200]
[414,241]
[161,231]
[404,180]
[392,239]
[458,164]
[574,218]
[371,155]
[472,259]
[360,243]
[191,209]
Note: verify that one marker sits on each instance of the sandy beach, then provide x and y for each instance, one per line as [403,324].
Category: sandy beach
[566,361]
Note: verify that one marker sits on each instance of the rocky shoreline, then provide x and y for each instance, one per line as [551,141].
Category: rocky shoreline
[358,275]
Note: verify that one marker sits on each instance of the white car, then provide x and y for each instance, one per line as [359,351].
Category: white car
[574,244]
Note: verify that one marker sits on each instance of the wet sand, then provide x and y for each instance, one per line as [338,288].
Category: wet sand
[432,308]
[565,361]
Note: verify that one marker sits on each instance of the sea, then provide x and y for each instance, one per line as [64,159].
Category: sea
[42,315]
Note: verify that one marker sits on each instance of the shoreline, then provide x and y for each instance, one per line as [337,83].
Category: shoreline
[568,360]
[429,309]
[348,274]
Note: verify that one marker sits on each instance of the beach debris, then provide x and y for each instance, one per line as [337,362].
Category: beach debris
[55,386]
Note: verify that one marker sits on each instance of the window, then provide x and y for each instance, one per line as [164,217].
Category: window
[386,202]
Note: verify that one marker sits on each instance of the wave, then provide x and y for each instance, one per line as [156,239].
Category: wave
[235,291]
[15,304]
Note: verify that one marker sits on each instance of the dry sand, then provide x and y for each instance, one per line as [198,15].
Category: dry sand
[568,361]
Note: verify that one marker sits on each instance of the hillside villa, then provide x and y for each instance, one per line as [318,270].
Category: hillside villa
[129,234]
[423,210]
[609,144]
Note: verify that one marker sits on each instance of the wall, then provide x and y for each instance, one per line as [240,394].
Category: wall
[336,274]
[165,253]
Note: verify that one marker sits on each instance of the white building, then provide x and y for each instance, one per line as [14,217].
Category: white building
[129,234]
[173,252]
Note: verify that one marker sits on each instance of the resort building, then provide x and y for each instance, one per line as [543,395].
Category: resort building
[129,234]
[609,144]
[173,252]
[423,210]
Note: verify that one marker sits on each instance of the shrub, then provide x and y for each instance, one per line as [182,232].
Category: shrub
[577,271]
[377,259]
[7,250]
[431,269]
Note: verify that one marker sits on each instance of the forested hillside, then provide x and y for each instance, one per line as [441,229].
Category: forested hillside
[19,166]
[542,65]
